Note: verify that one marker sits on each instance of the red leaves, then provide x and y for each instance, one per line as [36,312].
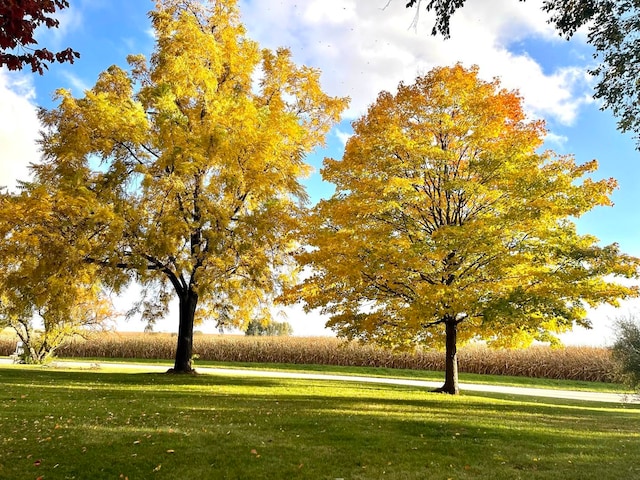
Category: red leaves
[18,21]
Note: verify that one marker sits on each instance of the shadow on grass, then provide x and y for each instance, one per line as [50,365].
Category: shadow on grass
[101,425]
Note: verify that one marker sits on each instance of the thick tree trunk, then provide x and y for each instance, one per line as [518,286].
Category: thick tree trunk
[451,362]
[184,350]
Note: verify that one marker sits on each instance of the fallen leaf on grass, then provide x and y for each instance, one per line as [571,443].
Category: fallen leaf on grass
[157,469]
[37,463]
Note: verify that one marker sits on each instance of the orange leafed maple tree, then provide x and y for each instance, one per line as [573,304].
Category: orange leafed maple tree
[448,224]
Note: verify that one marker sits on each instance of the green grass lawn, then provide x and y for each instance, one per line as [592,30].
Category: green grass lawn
[59,424]
[386,373]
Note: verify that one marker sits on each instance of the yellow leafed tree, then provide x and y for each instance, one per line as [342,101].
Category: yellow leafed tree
[448,225]
[47,292]
[194,159]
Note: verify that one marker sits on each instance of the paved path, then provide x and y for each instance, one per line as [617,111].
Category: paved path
[471,387]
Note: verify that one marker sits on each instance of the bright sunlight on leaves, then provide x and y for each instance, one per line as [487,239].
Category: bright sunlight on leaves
[190,163]
[448,225]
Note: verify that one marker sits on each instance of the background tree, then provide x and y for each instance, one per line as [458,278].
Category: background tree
[613,29]
[447,225]
[18,21]
[626,350]
[271,329]
[44,297]
[196,174]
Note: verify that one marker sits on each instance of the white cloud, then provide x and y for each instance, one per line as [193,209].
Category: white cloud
[343,136]
[555,139]
[78,85]
[332,12]
[54,38]
[363,48]
[19,127]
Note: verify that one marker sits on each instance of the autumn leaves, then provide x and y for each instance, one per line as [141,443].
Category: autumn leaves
[183,174]
[448,224]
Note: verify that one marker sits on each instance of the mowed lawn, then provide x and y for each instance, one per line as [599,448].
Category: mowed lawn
[62,424]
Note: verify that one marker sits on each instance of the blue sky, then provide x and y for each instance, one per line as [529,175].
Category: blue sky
[362,48]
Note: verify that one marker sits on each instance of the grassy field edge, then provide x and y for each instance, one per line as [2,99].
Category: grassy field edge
[380,372]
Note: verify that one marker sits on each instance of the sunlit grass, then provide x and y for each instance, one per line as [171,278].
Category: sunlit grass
[506,380]
[94,424]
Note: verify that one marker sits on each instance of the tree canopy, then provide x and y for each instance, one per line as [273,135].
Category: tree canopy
[613,30]
[447,225]
[185,171]
[19,20]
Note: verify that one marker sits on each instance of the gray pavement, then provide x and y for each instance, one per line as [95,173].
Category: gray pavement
[470,387]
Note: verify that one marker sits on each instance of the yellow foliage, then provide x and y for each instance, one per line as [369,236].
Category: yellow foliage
[44,276]
[192,161]
[445,212]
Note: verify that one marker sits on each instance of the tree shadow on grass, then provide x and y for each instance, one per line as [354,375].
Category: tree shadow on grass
[334,429]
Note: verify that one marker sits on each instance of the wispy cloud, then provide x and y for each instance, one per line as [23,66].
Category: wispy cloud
[343,136]
[76,84]
[70,19]
[552,139]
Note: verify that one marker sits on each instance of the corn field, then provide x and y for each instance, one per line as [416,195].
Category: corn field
[570,363]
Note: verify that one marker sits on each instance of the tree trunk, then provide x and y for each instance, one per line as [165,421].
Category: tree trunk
[184,350]
[451,362]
